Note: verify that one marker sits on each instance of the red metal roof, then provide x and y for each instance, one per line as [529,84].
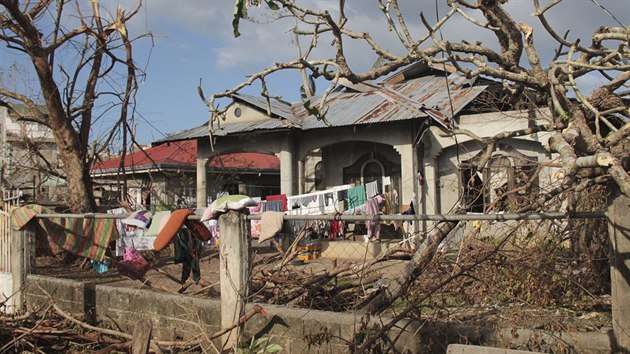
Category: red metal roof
[250,160]
[184,154]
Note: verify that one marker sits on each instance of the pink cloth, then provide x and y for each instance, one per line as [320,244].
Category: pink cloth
[372,207]
[256,225]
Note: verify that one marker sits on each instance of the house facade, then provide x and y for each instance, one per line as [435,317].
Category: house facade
[28,154]
[401,128]
[164,176]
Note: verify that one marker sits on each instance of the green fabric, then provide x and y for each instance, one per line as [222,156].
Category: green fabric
[356,196]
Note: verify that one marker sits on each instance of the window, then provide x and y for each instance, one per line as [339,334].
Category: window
[508,182]
[372,170]
[319,175]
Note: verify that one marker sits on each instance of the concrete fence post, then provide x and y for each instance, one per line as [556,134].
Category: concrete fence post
[619,233]
[235,269]
[22,264]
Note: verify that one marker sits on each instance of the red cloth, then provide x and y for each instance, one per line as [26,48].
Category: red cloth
[335,228]
[281,197]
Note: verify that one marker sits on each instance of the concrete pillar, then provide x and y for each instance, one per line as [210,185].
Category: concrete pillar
[409,173]
[234,269]
[22,264]
[202,175]
[619,233]
[301,179]
[287,167]
[430,186]
[203,154]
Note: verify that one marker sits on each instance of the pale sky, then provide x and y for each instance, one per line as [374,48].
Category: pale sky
[193,40]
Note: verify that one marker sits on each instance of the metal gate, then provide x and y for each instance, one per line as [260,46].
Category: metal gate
[9,199]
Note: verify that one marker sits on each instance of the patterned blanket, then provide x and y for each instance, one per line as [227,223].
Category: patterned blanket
[84,237]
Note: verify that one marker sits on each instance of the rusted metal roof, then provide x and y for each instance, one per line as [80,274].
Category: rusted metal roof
[425,97]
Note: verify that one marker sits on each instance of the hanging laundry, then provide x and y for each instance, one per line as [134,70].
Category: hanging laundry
[84,237]
[372,207]
[335,229]
[371,189]
[158,222]
[255,224]
[356,196]
[140,219]
[133,230]
[276,202]
[188,253]
[271,224]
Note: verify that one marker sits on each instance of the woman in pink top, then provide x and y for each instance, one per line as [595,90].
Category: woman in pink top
[373,207]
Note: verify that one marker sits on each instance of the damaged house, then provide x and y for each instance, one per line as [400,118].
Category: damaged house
[402,128]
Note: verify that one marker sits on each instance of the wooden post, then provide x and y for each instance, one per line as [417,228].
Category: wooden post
[235,269]
[22,264]
[619,233]
[141,337]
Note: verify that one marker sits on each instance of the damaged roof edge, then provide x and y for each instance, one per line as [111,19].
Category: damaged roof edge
[424,96]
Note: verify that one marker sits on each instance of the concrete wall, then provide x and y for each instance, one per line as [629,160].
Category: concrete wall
[443,154]
[177,317]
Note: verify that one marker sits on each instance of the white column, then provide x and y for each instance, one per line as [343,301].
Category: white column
[430,186]
[202,173]
[409,173]
[287,172]
[300,186]
[203,154]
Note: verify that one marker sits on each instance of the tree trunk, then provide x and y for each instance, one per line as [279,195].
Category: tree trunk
[80,194]
[619,233]
[424,254]
[71,153]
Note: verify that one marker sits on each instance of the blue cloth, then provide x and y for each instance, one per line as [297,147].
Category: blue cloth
[274,205]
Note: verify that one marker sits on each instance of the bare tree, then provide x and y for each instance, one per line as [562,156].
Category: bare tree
[591,128]
[84,65]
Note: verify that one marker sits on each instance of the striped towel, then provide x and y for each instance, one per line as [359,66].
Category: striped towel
[84,237]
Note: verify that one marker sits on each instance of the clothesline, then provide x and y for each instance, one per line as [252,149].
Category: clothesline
[388,217]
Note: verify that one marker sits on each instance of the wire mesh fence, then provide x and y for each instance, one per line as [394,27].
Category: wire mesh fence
[311,269]
[326,262]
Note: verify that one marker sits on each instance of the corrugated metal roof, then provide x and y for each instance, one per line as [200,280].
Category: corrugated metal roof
[424,97]
[194,133]
[182,154]
[403,101]
[224,129]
